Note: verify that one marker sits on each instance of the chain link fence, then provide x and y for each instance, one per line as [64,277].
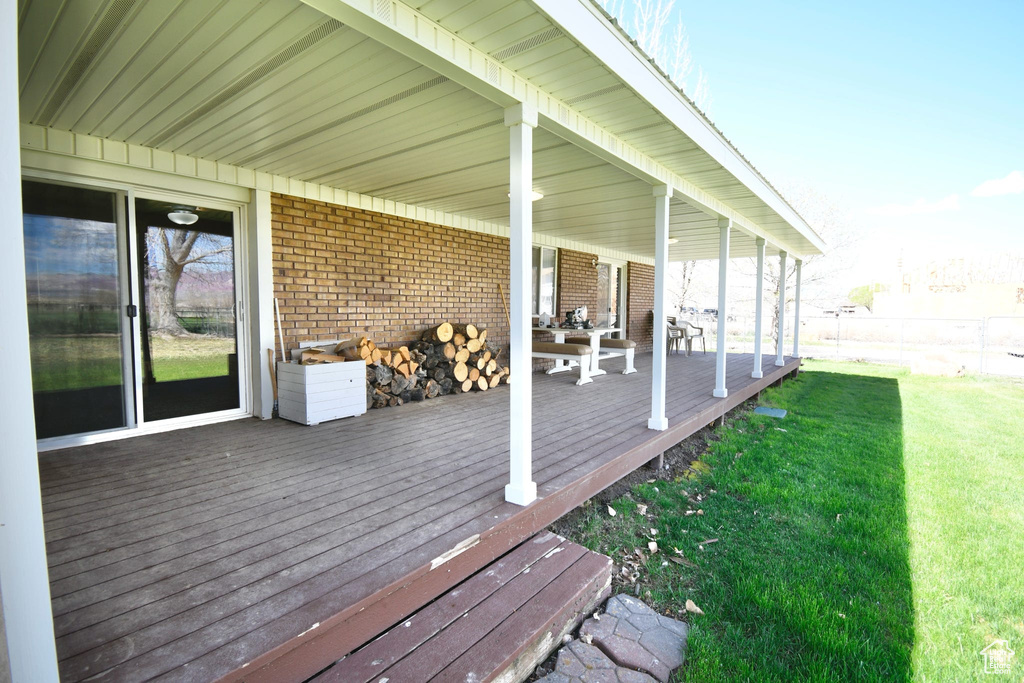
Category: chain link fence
[993,345]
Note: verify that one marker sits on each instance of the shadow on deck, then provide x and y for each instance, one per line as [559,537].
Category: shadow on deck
[266,550]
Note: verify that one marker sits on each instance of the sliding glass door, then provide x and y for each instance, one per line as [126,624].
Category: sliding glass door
[610,284]
[131,306]
[189,343]
[81,375]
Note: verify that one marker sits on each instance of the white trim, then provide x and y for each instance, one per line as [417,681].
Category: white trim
[125,208]
[622,295]
[240,264]
[554,287]
[29,649]
[136,424]
[261,301]
[158,427]
[136,323]
[50,150]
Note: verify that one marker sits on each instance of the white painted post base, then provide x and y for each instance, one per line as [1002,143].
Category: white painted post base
[757,374]
[658,423]
[521,495]
[720,393]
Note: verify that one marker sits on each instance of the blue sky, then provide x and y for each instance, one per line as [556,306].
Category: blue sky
[895,111]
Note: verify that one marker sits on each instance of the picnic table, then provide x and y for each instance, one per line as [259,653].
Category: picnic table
[595,344]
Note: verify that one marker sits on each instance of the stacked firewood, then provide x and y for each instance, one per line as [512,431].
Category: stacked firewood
[448,359]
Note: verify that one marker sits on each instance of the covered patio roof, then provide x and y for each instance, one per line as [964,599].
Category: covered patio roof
[402,102]
[438,111]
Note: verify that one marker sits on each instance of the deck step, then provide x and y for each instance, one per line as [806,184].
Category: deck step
[497,625]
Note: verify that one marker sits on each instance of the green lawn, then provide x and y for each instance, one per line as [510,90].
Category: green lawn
[872,534]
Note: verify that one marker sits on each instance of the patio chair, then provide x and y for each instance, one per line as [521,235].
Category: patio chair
[691,332]
[675,335]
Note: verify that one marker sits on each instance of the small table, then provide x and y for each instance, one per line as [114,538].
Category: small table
[595,345]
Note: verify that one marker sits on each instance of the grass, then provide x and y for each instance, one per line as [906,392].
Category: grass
[872,534]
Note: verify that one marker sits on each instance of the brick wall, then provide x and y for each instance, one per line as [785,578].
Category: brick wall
[577,282]
[640,286]
[339,270]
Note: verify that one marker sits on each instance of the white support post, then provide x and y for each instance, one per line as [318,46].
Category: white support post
[662,195]
[758,310]
[261,301]
[24,584]
[724,226]
[796,311]
[521,119]
[780,346]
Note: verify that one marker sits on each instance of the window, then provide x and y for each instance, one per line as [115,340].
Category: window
[543,281]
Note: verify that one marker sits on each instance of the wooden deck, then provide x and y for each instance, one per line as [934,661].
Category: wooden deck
[266,550]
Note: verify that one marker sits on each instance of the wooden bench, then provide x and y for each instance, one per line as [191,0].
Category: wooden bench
[612,348]
[567,352]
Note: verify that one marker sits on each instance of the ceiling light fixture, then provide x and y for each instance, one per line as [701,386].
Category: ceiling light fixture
[534,196]
[182,217]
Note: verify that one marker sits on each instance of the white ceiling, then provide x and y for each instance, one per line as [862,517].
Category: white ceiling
[279,87]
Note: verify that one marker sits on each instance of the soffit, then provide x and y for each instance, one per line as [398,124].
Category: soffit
[278,87]
[524,40]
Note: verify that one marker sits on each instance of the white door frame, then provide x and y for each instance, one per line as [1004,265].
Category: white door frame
[622,295]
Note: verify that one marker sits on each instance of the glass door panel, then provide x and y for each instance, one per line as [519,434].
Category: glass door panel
[602,316]
[608,291]
[189,344]
[75,311]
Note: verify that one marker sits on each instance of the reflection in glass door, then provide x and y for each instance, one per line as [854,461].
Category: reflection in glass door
[608,286]
[76,313]
[189,350]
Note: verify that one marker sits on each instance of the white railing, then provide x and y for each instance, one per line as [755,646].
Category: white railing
[977,345]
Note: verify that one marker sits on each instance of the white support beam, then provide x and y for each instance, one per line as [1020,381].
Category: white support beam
[261,301]
[796,311]
[521,119]
[24,582]
[780,346]
[658,420]
[758,310]
[724,226]
[406,30]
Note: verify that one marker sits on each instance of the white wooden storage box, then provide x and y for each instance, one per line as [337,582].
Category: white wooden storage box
[311,394]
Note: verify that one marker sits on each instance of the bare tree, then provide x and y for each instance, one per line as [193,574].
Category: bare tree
[658,29]
[680,279]
[820,281]
[170,251]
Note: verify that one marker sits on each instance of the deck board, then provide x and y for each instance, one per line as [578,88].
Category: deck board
[169,557]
